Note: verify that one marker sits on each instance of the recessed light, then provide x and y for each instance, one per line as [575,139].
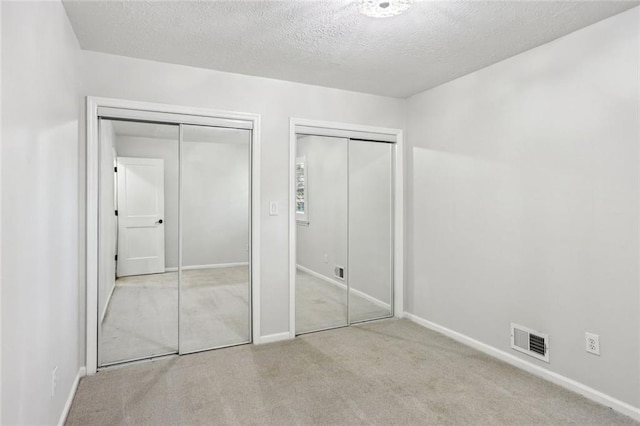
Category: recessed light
[383,8]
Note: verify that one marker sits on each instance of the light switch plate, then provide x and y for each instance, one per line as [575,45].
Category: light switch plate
[273,208]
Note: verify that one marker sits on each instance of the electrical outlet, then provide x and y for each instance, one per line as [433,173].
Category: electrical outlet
[326,258]
[54,381]
[593,343]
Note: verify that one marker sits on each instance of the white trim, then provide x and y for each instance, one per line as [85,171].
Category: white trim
[558,379]
[277,337]
[342,133]
[348,127]
[72,393]
[92,170]
[343,286]
[292,227]
[211,266]
[398,258]
[93,103]
[1,341]
[256,208]
[196,120]
[398,217]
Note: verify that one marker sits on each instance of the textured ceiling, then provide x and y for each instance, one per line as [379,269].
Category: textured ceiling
[329,43]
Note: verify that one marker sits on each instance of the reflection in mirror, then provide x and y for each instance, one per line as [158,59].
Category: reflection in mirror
[370,230]
[215,195]
[321,246]
[138,235]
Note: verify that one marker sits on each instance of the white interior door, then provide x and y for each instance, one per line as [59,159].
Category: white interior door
[140,216]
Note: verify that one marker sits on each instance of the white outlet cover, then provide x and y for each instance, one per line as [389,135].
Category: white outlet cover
[592,343]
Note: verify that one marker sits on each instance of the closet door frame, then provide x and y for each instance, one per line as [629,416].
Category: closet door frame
[351,131]
[135,110]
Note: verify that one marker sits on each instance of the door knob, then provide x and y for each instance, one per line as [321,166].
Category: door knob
[160,221]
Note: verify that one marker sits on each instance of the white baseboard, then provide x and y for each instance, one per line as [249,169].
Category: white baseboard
[271,338]
[565,382]
[211,266]
[343,286]
[72,393]
[106,305]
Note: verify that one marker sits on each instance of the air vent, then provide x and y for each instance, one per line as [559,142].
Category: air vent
[338,272]
[530,342]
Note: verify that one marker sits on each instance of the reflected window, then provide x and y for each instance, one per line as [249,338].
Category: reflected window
[302,204]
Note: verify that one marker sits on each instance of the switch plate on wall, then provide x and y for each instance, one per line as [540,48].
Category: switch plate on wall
[273,208]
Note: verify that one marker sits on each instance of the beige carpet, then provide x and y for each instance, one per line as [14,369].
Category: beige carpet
[142,317]
[321,305]
[385,372]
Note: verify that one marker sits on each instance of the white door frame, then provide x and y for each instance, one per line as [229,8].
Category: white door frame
[93,103]
[398,258]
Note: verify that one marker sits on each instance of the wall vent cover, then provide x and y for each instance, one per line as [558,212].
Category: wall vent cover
[530,342]
[338,272]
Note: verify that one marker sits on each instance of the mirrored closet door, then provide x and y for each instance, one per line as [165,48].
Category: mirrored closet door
[344,231]
[138,255]
[174,239]
[321,219]
[370,230]
[215,193]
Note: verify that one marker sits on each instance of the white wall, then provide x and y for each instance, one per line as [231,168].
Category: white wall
[41,108]
[523,203]
[215,195]
[326,233]
[215,199]
[277,101]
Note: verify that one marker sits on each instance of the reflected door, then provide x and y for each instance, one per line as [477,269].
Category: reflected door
[140,215]
[321,232]
[215,210]
[138,241]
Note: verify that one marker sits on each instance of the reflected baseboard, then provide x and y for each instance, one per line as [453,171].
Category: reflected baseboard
[211,266]
[106,306]
[343,286]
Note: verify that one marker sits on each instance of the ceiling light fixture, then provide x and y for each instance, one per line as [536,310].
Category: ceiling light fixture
[383,8]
